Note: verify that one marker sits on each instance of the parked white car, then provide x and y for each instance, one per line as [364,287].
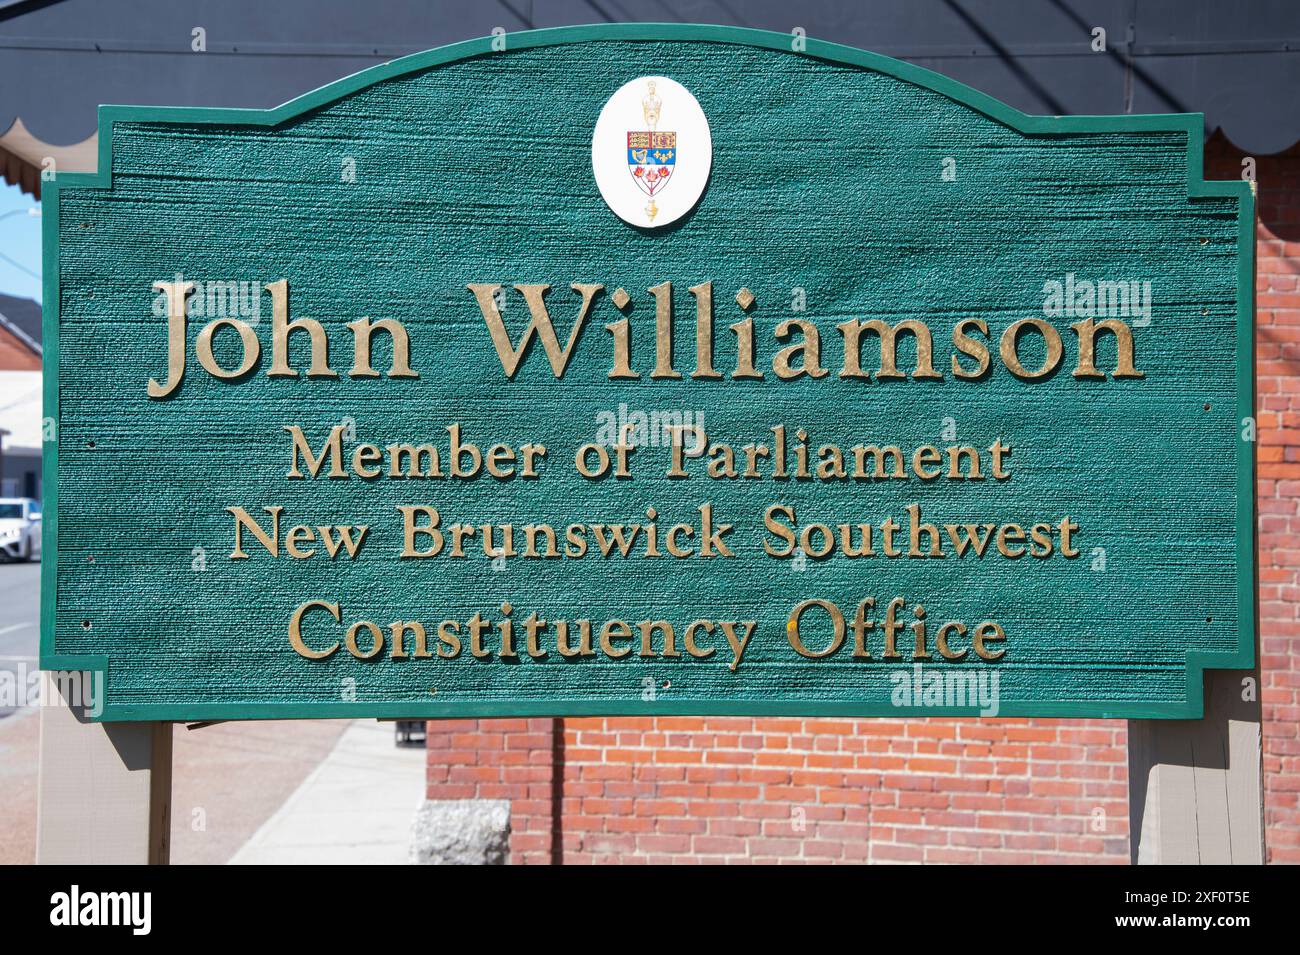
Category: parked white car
[20,528]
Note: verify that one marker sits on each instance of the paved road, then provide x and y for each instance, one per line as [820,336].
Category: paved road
[20,602]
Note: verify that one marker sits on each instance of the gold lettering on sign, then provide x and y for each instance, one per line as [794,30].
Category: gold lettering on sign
[1087,332]
[1011,357]
[663,294]
[837,624]
[463,459]
[280,330]
[362,330]
[808,351]
[335,538]
[888,334]
[248,339]
[540,325]
[176,293]
[295,629]
[703,331]
[970,348]
[799,355]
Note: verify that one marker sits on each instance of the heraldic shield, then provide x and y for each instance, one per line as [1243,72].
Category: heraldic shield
[651,157]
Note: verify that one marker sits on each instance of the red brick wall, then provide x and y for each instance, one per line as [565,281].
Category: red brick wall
[1277,371]
[504,759]
[731,789]
[939,790]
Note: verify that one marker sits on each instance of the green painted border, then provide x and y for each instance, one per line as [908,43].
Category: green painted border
[1190,124]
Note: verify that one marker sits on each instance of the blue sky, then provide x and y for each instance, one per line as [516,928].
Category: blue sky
[20,244]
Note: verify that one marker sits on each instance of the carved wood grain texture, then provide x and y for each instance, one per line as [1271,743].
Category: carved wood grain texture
[827,178]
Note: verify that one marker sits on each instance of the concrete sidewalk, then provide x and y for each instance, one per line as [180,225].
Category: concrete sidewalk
[355,808]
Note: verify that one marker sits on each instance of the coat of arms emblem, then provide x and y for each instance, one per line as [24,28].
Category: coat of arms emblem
[651,153]
[634,152]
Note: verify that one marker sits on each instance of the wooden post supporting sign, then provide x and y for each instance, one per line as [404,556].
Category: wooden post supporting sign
[104,792]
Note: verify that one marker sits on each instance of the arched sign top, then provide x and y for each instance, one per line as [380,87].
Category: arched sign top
[810,47]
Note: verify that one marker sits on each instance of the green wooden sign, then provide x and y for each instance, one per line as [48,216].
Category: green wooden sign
[387,402]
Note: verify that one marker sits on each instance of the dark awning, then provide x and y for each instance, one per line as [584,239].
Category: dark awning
[1237,63]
